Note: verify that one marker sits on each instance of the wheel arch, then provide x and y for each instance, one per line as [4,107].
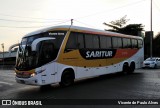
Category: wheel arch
[68,69]
[125,64]
[133,63]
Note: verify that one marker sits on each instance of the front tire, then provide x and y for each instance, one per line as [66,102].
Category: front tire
[155,66]
[67,79]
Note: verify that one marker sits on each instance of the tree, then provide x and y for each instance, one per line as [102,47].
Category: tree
[156,45]
[119,27]
[117,24]
[132,29]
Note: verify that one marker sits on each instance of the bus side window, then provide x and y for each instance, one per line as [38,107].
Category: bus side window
[140,43]
[80,41]
[72,42]
[89,41]
[96,41]
[129,45]
[114,42]
[136,43]
[109,42]
[124,43]
[119,42]
[133,43]
[103,42]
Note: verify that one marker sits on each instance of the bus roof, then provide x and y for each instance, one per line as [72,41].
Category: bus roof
[81,29]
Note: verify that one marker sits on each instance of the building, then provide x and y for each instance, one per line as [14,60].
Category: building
[8,58]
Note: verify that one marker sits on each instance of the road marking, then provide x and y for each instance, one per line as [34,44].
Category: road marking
[1,82]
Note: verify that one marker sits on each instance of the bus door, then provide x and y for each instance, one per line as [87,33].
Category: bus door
[46,58]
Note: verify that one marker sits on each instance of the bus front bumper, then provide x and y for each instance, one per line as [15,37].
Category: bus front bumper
[28,81]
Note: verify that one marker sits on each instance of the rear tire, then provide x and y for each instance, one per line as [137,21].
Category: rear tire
[132,67]
[125,69]
[155,66]
[67,79]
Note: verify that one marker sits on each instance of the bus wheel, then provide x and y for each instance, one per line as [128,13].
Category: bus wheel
[67,78]
[155,66]
[125,69]
[132,67]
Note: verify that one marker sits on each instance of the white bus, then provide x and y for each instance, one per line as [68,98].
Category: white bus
[62,54]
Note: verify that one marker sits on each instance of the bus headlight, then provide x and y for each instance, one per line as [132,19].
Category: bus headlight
[33,74]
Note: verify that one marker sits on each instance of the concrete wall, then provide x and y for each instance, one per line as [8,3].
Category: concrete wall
[8,65]
[7,54]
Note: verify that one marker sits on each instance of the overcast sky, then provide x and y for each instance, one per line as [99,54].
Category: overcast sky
[19,17]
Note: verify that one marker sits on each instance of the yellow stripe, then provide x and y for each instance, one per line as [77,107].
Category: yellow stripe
[30,71]
[73,58]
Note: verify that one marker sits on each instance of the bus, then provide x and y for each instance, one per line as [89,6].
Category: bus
[63,54]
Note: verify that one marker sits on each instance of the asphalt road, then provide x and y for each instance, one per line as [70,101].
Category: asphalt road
[142,84]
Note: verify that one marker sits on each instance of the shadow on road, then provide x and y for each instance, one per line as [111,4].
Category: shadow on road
[83,87]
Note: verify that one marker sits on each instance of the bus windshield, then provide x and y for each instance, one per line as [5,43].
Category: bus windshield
[46,50]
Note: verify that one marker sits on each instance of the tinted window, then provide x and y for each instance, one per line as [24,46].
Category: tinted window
[24,41]
[114,42]
[72,41]
[108,41]
[119,42]
[140,43]
[47,52]
[89,41]
[95,41]
[127,43]
[80,39]
[103,42]
[134,43]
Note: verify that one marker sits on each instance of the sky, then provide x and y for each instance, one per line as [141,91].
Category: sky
[19,17]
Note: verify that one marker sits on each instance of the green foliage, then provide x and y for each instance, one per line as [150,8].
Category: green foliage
[119,27]
[132,29]
[121,22]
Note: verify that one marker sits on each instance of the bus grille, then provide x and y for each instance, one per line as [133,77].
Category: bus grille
[23,75]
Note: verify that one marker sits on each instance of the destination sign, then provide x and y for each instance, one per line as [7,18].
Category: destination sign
[56,33]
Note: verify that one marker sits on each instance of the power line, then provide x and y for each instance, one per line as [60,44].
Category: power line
[85,23]
[2,14]
[35,26]
[22,21]
[110,10]
[58,19]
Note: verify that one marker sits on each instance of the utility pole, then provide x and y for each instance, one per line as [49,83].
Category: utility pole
[71,22]
[151,37]
[3,54]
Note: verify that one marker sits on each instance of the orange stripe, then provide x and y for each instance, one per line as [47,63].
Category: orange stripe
[125,53]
